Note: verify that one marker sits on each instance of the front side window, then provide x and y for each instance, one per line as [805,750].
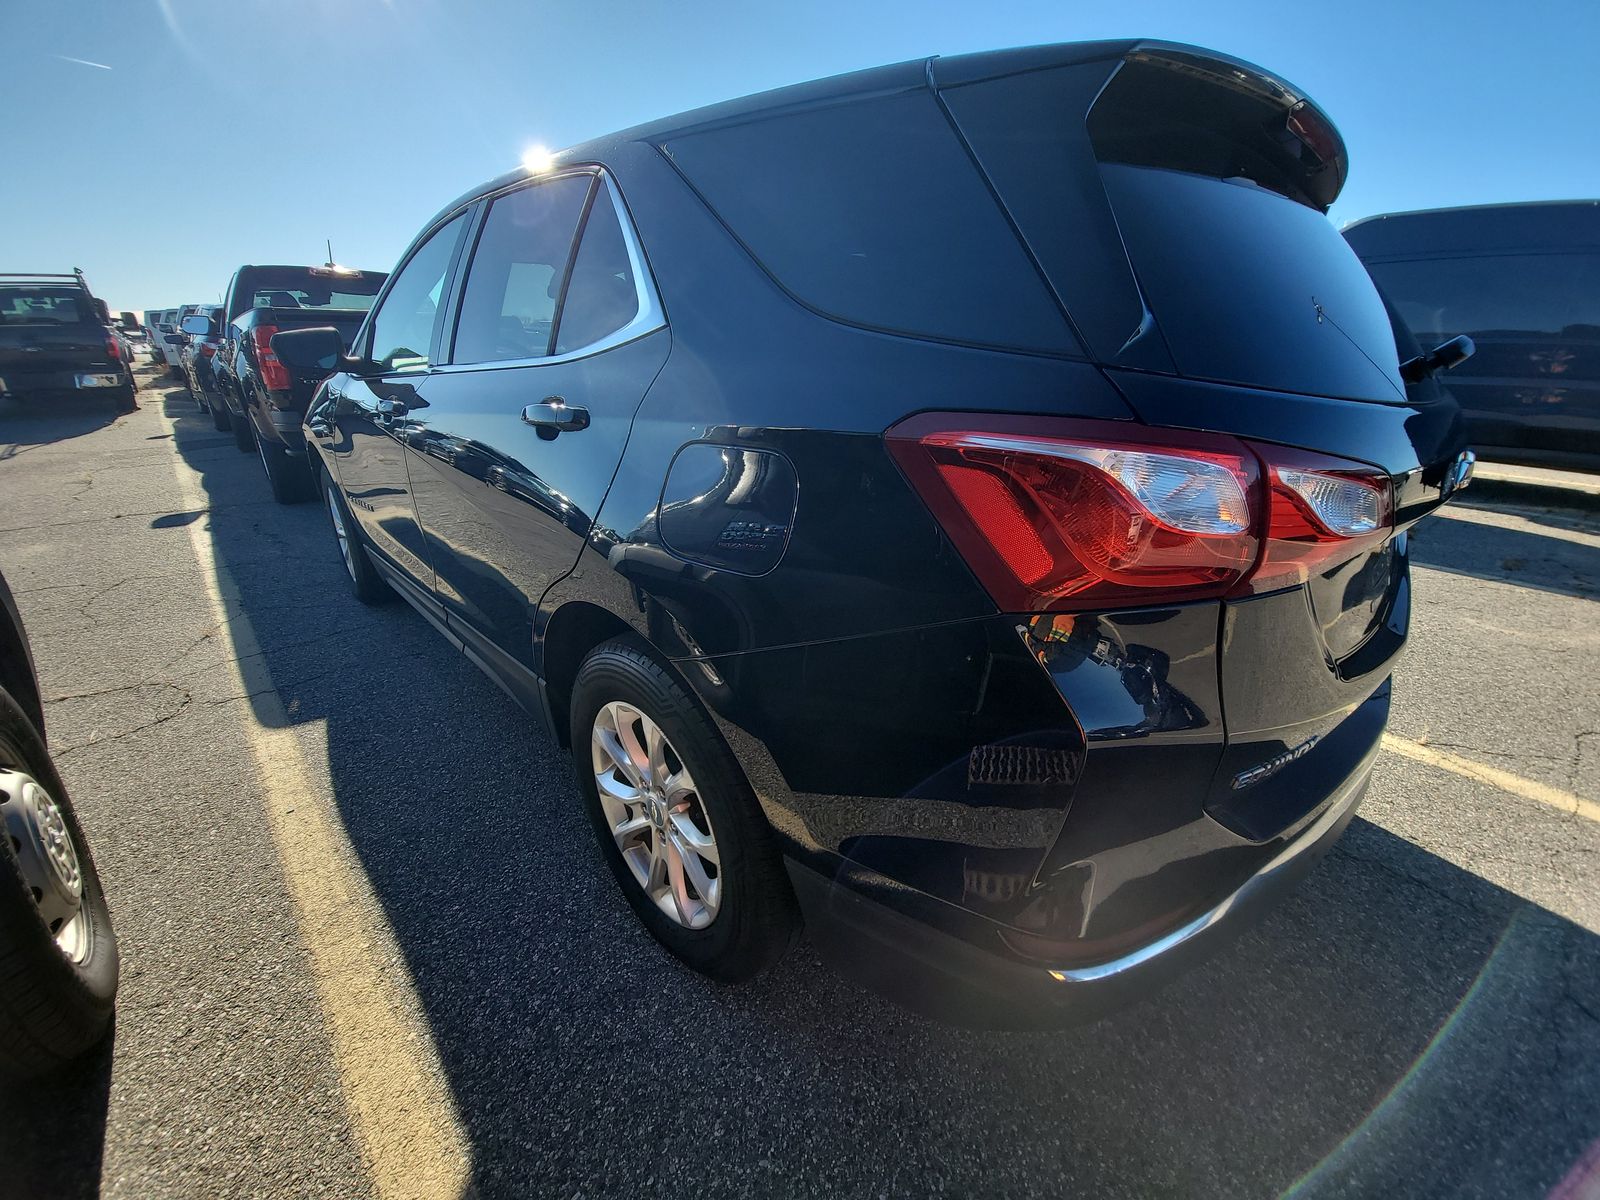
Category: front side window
[402,328]
[508,307]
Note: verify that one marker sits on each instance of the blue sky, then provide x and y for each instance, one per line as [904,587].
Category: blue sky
[214,132]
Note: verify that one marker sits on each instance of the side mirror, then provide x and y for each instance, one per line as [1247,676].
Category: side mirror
[172,339]
[197,325]
[317,349]
[1441,358]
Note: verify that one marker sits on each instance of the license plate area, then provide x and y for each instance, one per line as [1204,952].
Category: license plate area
[97,381]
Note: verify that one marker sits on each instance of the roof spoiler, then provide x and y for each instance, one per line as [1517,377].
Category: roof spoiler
[1189,109]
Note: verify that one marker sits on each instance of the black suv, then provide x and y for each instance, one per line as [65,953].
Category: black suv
[962,504]
[1523,282]
[56,336]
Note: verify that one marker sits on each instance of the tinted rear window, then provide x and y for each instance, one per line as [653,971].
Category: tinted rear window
[307,287]
[1505,295]
[1250,287]
[872,212]
[43,306]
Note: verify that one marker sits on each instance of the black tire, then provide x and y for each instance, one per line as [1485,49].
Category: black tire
[287,472]
[366,585]
[221,418]
[244,433]
[52,1009]
[124,399]
[757,920]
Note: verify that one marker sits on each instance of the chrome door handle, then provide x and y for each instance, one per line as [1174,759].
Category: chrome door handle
[556,415]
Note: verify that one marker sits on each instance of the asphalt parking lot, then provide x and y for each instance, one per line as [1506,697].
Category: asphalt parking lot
[368,947]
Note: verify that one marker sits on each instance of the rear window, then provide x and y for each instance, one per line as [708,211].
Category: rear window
[1496,295]
[1250,287]
[308,287]
[43,306]
[872,212]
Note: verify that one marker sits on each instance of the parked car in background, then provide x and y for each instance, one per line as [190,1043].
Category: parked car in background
[264,400]
[1523,281]
[197,354]
[127,324]
[56,942]
[1020,608]
[166,326]
[55,337]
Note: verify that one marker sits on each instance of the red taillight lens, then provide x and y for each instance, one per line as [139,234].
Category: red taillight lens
[273,373]
[1054,514]
[113,349]
[1322,512]
[208,349]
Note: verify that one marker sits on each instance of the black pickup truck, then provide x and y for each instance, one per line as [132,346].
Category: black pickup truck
[55,337]
[264,399]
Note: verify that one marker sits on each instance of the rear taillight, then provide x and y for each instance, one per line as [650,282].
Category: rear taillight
[1055,514]
[113,349]
[208,349]
[273,373]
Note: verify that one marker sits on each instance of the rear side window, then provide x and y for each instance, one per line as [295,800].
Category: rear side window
[42,306]
[1506,295]
[602,296]
[873,213]
[508,307]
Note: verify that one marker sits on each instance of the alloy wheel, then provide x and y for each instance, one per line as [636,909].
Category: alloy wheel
[51,871]
[654,811]
[346,550]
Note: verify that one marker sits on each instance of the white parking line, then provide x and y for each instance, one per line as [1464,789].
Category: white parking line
[389,1073]
[1527,789]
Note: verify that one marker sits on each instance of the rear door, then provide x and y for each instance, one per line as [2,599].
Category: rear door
[374,413]
[559,335]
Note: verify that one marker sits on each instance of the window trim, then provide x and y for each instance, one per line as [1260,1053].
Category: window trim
[649,317]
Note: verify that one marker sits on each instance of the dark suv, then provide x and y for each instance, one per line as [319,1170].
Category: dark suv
[962,504]
[1523,281]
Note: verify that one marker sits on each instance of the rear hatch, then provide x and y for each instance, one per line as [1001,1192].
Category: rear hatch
[49,330]
[1175,200]
[279,376]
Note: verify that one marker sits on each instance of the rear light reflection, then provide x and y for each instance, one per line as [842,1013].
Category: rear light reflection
[1055,514]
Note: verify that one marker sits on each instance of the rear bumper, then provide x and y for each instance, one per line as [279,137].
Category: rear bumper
[955,979]
[76,379]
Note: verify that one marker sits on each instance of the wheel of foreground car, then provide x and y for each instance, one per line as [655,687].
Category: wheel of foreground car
[675,819]
[286,472]
[58,955]
[365,583]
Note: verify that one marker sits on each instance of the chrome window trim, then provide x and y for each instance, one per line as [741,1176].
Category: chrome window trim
[649,317]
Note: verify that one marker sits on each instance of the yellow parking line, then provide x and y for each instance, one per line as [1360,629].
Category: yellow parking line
[394,1088]
[1528,789]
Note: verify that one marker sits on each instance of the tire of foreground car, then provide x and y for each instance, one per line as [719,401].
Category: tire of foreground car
[52,1008]
[753,919]
[286,472]
[366,584]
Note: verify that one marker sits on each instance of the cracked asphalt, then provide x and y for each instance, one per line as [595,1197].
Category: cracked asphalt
[1421,1018]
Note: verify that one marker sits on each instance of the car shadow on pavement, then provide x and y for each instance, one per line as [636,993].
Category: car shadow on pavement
[25,424]
[1400,1026]
[67,1113]
[1546,562]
